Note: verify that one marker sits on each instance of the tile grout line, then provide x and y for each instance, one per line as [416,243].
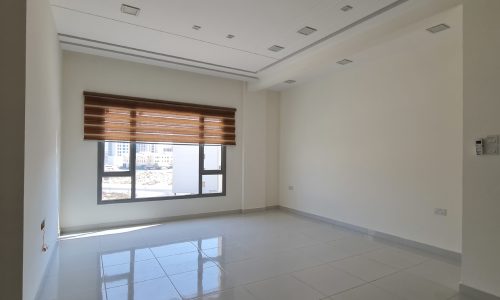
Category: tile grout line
[166,275]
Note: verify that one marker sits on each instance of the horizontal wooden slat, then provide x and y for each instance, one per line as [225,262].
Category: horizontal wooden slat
[156,139]
[159,117]
[88,119]
[104,110]
[134,103]
[166,128]
[105,130]
[122,118]
[177,129]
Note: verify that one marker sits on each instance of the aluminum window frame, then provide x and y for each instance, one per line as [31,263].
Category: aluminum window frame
[101,173]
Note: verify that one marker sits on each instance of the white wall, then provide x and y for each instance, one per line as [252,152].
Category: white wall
[378,144]
[12,95]
[272,159]
[254,150]
[81,72]
[481,188]
[260,149]
[42,142]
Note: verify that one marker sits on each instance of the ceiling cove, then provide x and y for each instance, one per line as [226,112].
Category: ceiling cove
[163,31]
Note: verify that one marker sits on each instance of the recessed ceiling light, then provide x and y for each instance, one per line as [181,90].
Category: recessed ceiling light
[346,8]
[307,30]
[196,27]
[344,62]
[276,48]
[229,36]
[438,28]
[130,10]
[290,81]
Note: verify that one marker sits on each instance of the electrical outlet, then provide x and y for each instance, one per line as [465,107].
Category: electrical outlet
[42,226]
[291,187]
[491,145]
[441,211]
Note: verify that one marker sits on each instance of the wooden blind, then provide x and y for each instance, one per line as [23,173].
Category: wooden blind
[121,118]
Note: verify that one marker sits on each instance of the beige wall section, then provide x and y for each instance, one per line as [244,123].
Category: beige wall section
[273,138]
[79,158]
[378,144]
[481,220]
[12,95]
[254,150]
[260,149]
[42,140]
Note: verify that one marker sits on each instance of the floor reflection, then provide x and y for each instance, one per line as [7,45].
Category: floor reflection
[166,271]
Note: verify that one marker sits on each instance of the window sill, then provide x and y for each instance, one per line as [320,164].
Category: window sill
[104,202]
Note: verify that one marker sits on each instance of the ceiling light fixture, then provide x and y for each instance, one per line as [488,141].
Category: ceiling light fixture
[230,36]
[344,62]
[196,27]
[346,8]
[276,48]
[290,81]
[130,10]
[438,28]
[307,30]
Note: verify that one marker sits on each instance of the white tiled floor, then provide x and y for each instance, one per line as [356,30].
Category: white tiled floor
[261,256]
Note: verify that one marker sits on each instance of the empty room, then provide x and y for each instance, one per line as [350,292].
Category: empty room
[250,150]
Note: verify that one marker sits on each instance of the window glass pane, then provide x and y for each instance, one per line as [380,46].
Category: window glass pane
[116,156]
[185,169]
[213,157]
[164,170]
[116,188]
[212,184]
[154,165]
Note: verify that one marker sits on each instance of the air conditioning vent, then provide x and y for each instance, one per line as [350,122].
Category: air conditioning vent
[130,10]
[346,8]
[438,28]
[344,62]
[307,30]
[276,48]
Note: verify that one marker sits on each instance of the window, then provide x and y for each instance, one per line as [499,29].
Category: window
[133,171]
[150,149]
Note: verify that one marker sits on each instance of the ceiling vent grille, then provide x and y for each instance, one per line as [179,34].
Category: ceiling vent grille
[276,48]
[344,62]
[346,8]
[307,30]
[130,10]
[438,28]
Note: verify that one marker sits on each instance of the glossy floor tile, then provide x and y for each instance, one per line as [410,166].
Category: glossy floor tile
[366,292]
[203,281]
[411,287]
[240,293]
[283,288]
[158,289]
[396,258]
[260,256]
[444,273]
[364,268]
[327,280]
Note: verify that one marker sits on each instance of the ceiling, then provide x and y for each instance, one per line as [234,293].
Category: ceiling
[163,34]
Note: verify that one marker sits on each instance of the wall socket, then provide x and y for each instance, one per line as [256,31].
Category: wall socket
[491,145]
[441,211]
[291,187]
